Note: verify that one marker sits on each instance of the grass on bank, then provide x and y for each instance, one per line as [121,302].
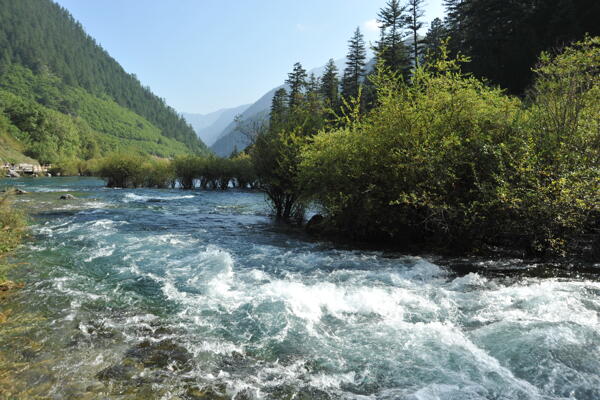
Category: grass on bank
[13,224]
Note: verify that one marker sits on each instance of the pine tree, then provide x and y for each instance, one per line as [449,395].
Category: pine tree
[355,65]
[433,39]
[297,83]
[330,84]
[391,48]
[414,20]
[279,109]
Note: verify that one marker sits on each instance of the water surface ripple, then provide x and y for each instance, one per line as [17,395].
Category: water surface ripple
[140,294]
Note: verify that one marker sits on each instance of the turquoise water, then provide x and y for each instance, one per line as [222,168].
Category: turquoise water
[191,295]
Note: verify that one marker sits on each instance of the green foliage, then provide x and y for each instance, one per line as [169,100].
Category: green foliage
[244,173]
[187,169]
[133,171]
[158,173]
[555,196]
[355,66]
[297,82]
[275,157]
[122,170]
[505,38]
[449,160]
[12,224]
[50,121]
[391,49]
[189,172]
[43,37]
[330,85]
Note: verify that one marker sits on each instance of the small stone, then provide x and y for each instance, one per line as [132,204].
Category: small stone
[67,197]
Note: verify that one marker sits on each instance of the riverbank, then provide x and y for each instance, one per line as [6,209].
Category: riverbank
[583,250]
[12,229]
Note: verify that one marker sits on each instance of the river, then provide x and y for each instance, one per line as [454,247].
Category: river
[166,294]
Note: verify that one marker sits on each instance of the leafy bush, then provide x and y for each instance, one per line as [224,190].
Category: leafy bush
[449,160]
[555,194]
[122,170]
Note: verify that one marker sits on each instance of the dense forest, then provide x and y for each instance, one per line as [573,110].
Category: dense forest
[63,96]
[504,39]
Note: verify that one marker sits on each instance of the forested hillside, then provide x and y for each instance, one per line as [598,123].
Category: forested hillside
[63,96]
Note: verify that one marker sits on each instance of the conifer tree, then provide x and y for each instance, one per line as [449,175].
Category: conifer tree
[414,24]
[391,48]
[297,83]
[433,39]
[330,84]
[355,65]
[279,108]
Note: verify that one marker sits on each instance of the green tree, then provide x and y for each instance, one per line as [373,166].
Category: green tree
[414,24]
[433,40]
[390,48]
[297,83]
[279,109]
[330,84]
[355,65]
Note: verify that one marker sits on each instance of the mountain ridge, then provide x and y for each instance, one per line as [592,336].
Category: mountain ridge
[209,126]
[232,139]
[63,96]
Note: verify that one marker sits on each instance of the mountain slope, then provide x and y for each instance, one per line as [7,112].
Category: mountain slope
[55,79]
[209,126]
[232,139]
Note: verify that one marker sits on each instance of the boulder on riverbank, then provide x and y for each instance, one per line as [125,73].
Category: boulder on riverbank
[315,225]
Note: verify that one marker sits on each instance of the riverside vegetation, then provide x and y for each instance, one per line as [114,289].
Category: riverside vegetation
[442,160]
[422,147]
[12,229]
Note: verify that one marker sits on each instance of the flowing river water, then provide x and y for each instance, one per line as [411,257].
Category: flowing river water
[166,294]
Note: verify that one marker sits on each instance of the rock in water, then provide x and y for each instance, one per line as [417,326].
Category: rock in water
[315,224]
[20,191]
[67,197]
[160,354]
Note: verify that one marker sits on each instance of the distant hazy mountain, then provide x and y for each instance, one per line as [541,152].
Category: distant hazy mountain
[230,138]
[208,127]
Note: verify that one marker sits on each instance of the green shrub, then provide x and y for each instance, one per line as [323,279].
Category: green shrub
[122,170]
[449,160]
[12,224]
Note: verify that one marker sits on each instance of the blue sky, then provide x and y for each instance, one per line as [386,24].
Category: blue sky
[203,55]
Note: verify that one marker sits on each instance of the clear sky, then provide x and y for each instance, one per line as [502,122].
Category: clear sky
[203,55]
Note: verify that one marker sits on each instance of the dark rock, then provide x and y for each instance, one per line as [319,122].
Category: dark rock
[160,354]
[119,372]
[28,355]
[67,197]
[20,191]
[195,393]
[315,225]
